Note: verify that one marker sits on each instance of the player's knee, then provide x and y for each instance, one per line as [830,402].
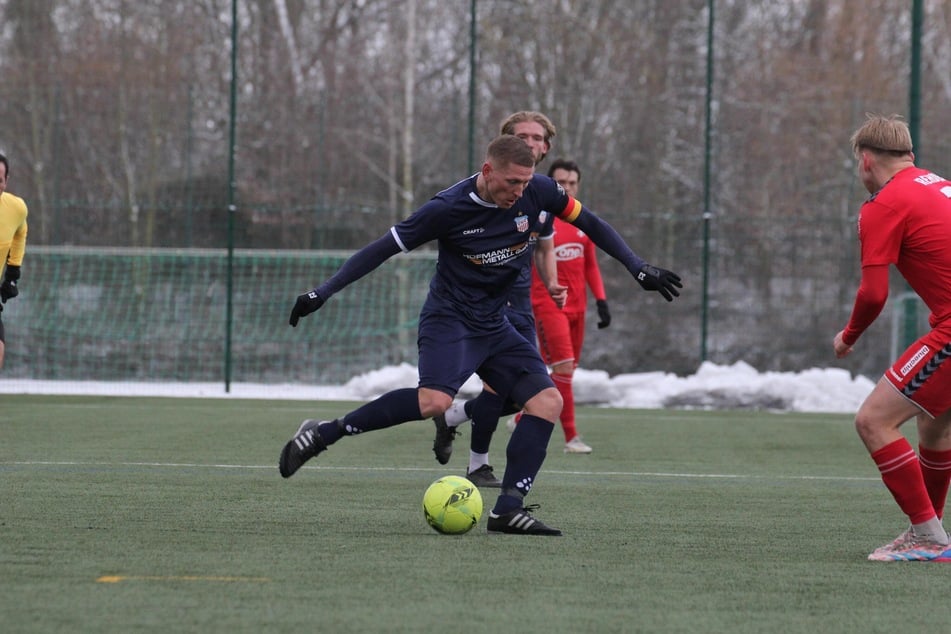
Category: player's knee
[565,368]
[546,404]
[433,402]
[869,427]
[861,427]
[934,433]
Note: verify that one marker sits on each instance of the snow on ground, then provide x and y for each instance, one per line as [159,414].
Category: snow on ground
[737,386]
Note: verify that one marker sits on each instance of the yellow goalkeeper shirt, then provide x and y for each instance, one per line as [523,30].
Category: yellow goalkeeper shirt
[12,229]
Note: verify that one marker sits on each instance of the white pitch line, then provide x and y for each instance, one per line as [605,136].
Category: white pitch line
[635,474]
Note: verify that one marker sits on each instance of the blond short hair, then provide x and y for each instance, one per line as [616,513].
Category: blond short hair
[508,126]
[883,135]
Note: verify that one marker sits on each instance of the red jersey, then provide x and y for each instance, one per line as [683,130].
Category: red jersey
[906,223]
[576,256]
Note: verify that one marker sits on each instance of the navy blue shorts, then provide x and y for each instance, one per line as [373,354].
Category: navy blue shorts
[524,323]
[450,352]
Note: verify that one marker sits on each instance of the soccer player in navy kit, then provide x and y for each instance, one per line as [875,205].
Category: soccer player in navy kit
[482,225]
[537,130]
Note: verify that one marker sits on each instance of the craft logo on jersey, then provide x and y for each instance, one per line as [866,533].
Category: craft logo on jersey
[521,223]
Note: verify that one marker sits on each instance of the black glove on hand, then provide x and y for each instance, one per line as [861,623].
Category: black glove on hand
[603,314]
[663,281]
[9,290]
[305,305]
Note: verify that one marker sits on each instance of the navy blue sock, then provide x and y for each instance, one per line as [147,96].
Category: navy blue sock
[330,432]
[525,454]
[486,409]
[393,408]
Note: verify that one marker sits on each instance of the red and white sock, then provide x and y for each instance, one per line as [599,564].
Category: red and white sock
[936,471]
[563,383]
[901,473]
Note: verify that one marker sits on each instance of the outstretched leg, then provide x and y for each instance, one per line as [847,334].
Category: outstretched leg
[393,408]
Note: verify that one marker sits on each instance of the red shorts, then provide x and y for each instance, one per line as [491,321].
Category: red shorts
[560,335]
[923,372]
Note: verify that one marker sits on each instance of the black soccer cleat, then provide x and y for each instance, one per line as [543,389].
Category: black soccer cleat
[442,445]
[305,444]
[484,477]
[519,522]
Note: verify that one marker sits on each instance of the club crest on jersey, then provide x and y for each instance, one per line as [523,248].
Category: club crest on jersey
[521,223]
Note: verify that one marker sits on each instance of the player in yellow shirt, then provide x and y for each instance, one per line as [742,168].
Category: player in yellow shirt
[12,242]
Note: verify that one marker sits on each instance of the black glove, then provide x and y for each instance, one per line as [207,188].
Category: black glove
[9,290]
[603,314]
[663,281]
[305,305]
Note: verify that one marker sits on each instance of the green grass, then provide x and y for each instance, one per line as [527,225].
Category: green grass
[678,522]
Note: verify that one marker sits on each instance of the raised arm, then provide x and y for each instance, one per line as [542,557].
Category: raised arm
[650,277]
[359,264]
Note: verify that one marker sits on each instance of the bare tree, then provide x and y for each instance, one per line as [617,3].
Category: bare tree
[353,112]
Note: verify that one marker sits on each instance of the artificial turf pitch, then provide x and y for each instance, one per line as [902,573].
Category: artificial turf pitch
[169,515]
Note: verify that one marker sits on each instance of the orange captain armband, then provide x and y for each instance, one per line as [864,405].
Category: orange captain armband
[571,211]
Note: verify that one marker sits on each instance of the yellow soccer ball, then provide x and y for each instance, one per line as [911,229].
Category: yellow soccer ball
[452,505]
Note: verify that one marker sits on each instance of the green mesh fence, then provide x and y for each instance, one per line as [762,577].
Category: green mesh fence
[160,315]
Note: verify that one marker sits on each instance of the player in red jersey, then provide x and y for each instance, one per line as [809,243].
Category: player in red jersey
[561,330]
[906,222]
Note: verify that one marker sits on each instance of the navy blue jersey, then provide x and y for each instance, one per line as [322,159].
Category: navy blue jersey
[520,299]
[483,249]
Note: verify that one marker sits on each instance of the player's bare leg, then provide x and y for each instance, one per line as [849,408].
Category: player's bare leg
[878,423]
